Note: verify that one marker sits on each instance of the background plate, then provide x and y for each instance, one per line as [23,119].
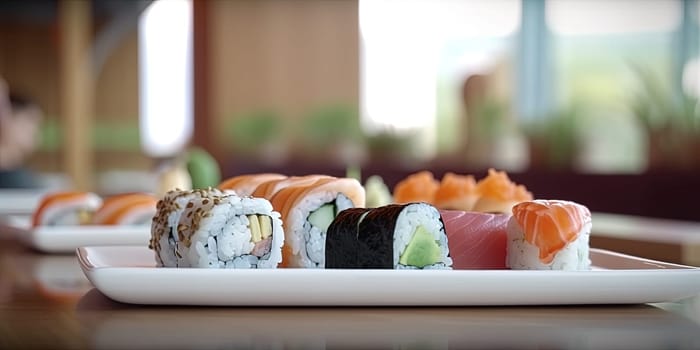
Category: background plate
[66,239]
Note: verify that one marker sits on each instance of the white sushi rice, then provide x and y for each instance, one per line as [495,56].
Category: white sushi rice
[412,216]
[307,242]
[164,224]
[521,255]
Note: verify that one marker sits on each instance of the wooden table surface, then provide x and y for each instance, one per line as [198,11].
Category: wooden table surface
[46,302]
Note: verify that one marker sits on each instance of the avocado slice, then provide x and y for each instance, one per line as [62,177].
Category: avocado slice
[422,250]
[323,216]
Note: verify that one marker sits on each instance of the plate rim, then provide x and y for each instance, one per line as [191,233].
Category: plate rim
[66,239]
[141,285]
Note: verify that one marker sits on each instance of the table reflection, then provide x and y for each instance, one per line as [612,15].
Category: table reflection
[639,327]
[50,293]
[56,278]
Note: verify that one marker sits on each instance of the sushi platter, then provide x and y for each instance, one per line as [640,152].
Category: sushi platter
[129,275]
[333,241]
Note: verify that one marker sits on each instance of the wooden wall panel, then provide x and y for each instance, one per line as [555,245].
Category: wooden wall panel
[287,55]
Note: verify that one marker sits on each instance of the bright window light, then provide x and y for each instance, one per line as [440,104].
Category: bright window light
[401,44]
[165,77]
[585,17]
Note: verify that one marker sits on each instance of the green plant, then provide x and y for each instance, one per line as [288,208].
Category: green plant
[554,138]
[330,125]
[250,131]
[671,120]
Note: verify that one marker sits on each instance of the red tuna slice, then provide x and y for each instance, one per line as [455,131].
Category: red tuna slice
[476,240]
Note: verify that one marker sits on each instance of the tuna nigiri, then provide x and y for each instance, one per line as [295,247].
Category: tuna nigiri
[549,234]
[476,240]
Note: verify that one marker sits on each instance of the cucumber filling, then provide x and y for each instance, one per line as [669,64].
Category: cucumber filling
[317,224]
[323,216]
[423,250]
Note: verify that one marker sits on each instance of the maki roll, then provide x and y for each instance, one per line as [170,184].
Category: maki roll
[549,235]
[307,210]
[164,235]
[66,208]
[217,230]
[225,231]
[229,232]
[268,189]
[396,236]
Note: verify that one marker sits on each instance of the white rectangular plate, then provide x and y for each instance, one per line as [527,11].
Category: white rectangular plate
[129,275]
[66,239]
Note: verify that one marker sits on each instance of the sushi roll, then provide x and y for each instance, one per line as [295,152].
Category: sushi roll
[164,235]
[307,210]
[244,185]
[66,208]
[268,189]
[549,235]
[396,236]
[126,209]
[226,231]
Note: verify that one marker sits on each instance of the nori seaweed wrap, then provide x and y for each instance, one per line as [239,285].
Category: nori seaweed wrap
[396,236]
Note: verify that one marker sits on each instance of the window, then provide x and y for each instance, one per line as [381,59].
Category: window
[415,57]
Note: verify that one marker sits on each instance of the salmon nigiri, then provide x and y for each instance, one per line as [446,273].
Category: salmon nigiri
[476,240]
[418,187]
[498,194]
[457,192]
[66,208]
[549,234]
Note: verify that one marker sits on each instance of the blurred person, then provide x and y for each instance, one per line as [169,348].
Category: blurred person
[19,125]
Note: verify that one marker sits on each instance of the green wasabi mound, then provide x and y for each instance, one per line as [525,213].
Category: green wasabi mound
[203,168]
[422,250]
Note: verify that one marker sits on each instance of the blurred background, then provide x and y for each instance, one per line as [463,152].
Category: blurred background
[592,101]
